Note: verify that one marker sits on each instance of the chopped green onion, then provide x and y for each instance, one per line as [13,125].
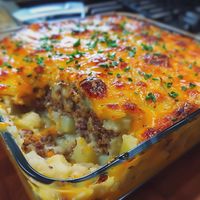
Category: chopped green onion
[77,43]
[147,47]
[151,96]
[173,94]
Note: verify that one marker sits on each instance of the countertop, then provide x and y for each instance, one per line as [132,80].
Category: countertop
[179,181]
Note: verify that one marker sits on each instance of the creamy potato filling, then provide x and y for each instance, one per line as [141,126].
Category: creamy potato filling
[64,134]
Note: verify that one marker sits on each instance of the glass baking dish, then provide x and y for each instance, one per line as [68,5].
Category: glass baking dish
[123,174]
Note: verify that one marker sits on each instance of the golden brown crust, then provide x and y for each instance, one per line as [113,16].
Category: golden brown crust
[124,67]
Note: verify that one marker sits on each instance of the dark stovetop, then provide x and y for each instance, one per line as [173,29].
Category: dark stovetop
[184,14]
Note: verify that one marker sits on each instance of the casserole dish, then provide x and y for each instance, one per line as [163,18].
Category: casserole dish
[163,104]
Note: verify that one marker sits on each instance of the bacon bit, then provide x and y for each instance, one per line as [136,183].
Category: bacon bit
[184,110]
[102,178]
[193,93]
[151,39]
[121,48]
[181,43]
[2,86]
[3,72]
[116,27]
[130,107]
[102,75]
[39,69]
[113,106]
[196,69]
[26,132]
[94,87]
[157,60]
[98,58]
[141,83]
[38,51]
[55,37]
[158,96]
[150,132]
[123,65]
[118,84]
[20,70]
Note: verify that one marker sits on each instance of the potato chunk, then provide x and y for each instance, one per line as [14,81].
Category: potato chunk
[83,152]
[29,120]
[128,142]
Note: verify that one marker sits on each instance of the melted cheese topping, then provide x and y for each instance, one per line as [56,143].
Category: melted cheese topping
[147,73]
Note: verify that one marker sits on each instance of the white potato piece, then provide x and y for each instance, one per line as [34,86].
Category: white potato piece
[122,125]
[128,142]
[64,124]
[59,167]
[38,163]
[29,120]
[83,152]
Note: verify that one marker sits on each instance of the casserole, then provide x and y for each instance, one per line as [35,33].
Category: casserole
[78,94]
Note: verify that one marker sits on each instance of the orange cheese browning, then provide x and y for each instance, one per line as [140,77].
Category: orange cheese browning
[123,66]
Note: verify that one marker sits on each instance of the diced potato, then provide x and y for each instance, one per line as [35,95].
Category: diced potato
[29,120]
[64,124]
[59,167]
[83,152]
[128,142]
[115,145]
[103,159]
[79,170]
[120,125]
[38,163]
[65,144]
[111,125]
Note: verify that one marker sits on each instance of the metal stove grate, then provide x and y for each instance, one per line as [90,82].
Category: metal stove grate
[184,14]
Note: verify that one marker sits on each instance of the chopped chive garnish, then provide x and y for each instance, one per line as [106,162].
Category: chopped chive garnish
[169,85]
[147,76]
[104,65]
[132,52]
[93,44]
[27,59]
[111,55]
[126,69]
[121,59]
[173,94]
[114,63]
[180,76]
[40,61]
[190,66]
[184,88]
[151,96]
[111,43]
[7,65]
[155,79]
[118,75]
[192,85]
[164,47]
[147,47]
[77,43]
[122,25]
[70,60]
[61,68]
[100,51]
[77,66]
[130,79]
